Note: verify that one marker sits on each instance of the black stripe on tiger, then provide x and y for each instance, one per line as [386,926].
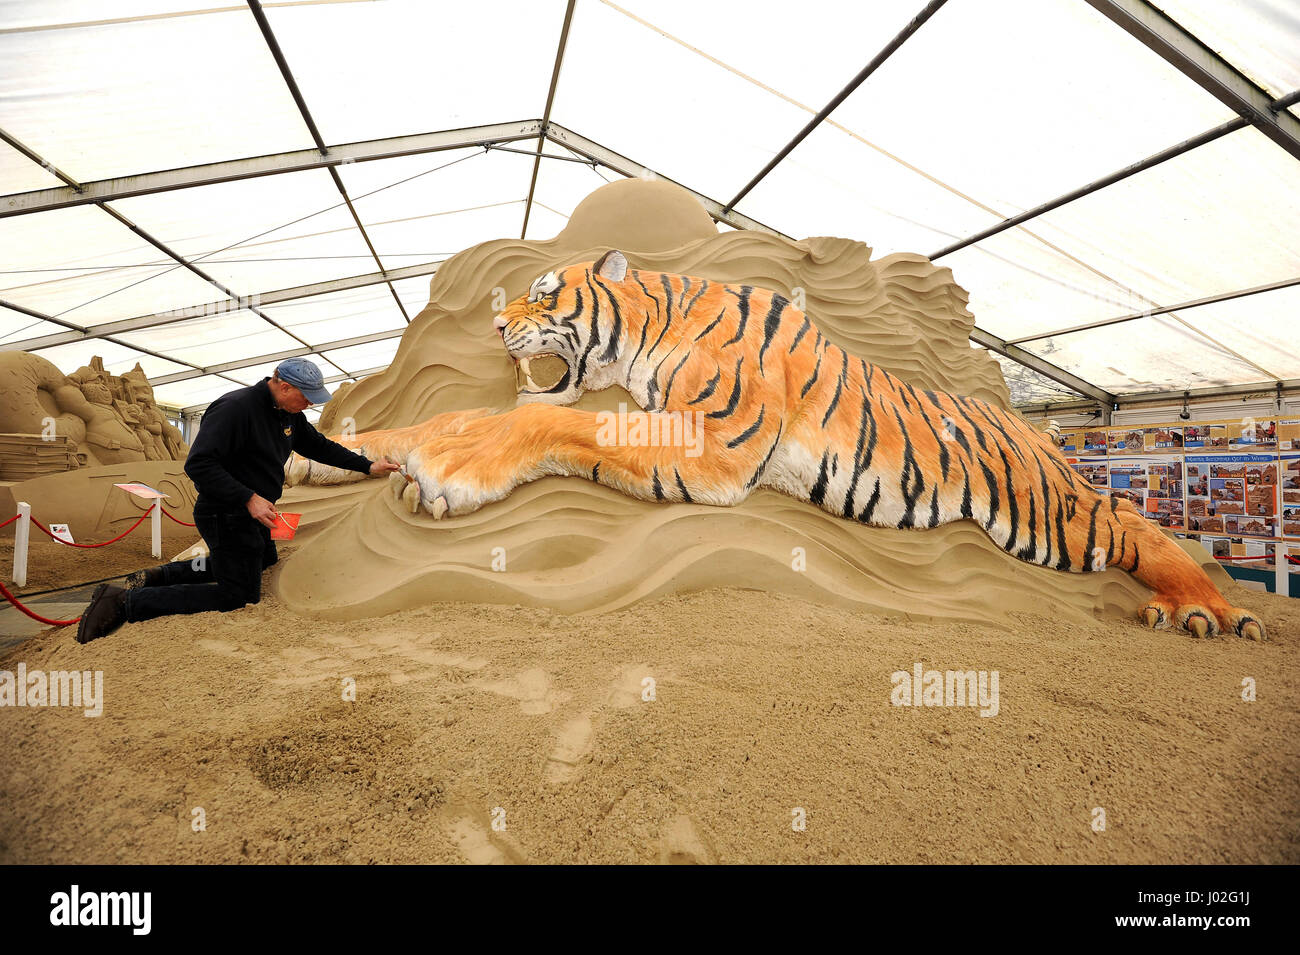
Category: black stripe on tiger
[965,492]
[809,383]
[767,458]
[748,432]
[732,401]
[839,387]
[798,337]
[708,328]
[742,304]
[1063,561]
[611,348]
[858,465]
[658,488]
[669,386]
[912,473]
[1031,546]
[694,298]
[992,482]
[1013,504]
[770,324]
[708,389]
[818,493]
[681,486]
[1088,561]
[865,516]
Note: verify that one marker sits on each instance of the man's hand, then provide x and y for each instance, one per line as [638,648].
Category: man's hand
[261,509]
[383,466]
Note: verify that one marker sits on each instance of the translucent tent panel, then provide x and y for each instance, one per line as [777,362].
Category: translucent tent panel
[370,70]
[118,359]
[91,101]
[1029,387]
[1023,101]
[817,50]
[194,391]
[255,235]
[562,185]
[339,315]
[84,266]
[414,293]
[1147,354]
[18,326]
[20,174]
[642,95]
[69,14]
[360,357]
[213,339]
[1220,218]
[1264,327]
[1260,38]
[255,373]
[545,222]
[448,201]
[1018,286]
[833,184]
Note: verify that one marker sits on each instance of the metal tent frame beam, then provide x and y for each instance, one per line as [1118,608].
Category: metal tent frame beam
[546,114]
[236,365]
[1164,36]
[173,316]
[1044,368]
[298,160]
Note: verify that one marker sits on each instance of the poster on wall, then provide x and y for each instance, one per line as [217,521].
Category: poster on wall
[1126,440]
[1163,439]
[1208,435]
[1154,485]
[1289,492]
[1232,494]
[1095,442]
[1288,434]
[1252,435]
[1092,469]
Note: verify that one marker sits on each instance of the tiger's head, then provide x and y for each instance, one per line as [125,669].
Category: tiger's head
[566,335]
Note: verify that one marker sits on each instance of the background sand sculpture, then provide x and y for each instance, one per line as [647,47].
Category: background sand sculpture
[66,439]
[578,547]
[110,419]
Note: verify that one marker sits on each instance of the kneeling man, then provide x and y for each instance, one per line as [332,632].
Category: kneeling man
[237,464]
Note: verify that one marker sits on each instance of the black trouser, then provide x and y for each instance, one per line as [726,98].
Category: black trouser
[230,577]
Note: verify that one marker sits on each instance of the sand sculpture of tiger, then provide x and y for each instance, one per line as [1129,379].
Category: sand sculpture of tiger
[778,406]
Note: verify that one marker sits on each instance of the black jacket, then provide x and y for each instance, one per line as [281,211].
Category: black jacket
[243,442]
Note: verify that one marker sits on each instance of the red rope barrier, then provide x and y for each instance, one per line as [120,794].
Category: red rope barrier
[35,616]
[169,515]
[11,520]
[51,536]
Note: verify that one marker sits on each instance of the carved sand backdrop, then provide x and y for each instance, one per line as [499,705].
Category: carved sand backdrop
[572,675]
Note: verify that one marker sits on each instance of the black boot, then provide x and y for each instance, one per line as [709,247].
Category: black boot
[104,614]
[150,577]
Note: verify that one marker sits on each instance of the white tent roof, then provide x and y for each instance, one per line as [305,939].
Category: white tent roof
[208,189]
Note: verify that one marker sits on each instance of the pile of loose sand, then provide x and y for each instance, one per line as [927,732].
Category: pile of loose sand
[763,704]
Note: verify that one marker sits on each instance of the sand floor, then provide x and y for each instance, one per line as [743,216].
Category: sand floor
[471,715]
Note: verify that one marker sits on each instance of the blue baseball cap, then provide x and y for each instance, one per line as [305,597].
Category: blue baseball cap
[304,376]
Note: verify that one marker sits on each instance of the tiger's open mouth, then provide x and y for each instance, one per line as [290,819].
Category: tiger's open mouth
[540,373]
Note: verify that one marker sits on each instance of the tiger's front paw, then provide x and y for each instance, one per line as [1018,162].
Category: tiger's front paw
[450,476]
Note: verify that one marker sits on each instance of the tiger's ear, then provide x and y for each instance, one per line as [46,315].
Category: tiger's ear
[612,265]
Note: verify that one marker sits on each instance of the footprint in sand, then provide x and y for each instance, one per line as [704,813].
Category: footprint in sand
[575,738]
[227,649]
[532,688]
[573,742]
[682,844]
[475,841]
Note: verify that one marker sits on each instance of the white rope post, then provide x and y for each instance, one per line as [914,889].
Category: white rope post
[1282,582]
[22,533]
[156,519]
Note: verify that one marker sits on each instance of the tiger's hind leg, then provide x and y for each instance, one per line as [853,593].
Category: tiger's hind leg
[1185,597]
